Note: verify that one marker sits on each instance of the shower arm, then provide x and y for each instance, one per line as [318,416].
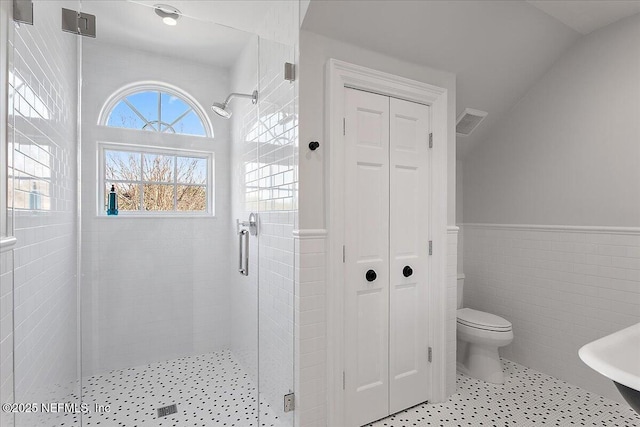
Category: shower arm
[253,96]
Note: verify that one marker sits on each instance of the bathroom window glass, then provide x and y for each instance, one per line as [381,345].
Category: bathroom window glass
[153,181]
[156,110]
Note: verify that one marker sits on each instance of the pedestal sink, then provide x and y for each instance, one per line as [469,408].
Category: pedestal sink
[617,357]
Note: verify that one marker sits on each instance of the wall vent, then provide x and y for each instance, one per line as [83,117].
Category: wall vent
[469,120]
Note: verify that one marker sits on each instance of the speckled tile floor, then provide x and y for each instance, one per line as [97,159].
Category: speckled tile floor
[213,390]
[527,398]
[209,390]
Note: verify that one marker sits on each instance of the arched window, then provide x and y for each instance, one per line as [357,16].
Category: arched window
[155,174]
[155,107]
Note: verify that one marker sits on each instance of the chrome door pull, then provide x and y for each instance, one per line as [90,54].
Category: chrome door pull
[243,246]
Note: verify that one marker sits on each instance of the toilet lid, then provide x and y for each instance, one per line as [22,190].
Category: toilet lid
[482,320]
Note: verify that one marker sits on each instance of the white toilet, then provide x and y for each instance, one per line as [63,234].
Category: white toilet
[480,335]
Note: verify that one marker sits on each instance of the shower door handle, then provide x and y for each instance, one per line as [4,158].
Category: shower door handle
[243,248]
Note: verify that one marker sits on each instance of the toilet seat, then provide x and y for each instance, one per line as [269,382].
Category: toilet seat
[481,320]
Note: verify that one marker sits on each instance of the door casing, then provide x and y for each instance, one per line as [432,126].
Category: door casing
[341,75]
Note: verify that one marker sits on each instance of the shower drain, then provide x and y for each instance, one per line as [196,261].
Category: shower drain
[167,410]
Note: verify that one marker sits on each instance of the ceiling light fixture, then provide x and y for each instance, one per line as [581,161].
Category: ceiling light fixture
[169,14]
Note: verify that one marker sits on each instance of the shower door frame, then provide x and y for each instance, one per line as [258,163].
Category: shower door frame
[341,75]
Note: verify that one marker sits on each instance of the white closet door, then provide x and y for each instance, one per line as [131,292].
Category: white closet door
[366,248]
[409,247]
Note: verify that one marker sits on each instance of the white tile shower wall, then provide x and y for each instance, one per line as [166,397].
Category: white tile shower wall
[6,335]
[153,288]
[560,287]
[450,310]
[43,141]
[153,291]
[310,329]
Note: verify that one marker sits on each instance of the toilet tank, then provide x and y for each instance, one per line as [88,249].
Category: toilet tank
[460,288]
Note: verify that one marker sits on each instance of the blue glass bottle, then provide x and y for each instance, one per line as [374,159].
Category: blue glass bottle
[112,208]
[34,198]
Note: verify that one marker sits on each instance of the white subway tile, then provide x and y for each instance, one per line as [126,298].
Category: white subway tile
[557,288]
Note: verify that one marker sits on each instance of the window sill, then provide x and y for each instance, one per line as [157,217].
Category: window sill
[186,216]
[7,243]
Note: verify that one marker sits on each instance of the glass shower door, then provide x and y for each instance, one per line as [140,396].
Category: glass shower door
[38,278]
[277,207]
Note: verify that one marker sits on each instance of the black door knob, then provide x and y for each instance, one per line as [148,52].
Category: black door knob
[371,276]
[407,271]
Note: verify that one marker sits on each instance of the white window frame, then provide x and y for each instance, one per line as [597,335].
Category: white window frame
[148,149]
[153,86]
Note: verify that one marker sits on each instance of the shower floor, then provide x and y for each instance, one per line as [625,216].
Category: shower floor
[527,398]
[210,390]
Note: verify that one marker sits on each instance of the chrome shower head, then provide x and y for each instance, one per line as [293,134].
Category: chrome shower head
[221,108]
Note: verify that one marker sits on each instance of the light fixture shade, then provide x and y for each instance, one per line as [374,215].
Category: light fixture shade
[169,14]
[170,21]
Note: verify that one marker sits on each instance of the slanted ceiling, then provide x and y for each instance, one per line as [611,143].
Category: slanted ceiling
[587,16]
[498,49]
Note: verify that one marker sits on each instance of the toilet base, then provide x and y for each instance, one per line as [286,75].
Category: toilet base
[480,361]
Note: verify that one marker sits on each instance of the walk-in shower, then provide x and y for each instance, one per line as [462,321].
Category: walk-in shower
[221,108]
[144,316]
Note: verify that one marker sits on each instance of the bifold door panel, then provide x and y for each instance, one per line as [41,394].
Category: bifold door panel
[367,248]
[386,255]
[408,251]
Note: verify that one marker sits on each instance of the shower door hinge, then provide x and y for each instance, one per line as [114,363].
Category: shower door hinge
[430,247]
[289,402]
[23,11]
[289,71]
[430,354]
[344,126]
[430,140]
[80,23]
[343,254]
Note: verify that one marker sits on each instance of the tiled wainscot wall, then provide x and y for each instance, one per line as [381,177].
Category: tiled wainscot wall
[450,310]
[561,287]
[310,331]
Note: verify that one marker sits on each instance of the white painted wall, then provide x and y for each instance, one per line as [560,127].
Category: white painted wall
[567,154]
[459,213]
[153,288]
[42,268]
[315,51]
